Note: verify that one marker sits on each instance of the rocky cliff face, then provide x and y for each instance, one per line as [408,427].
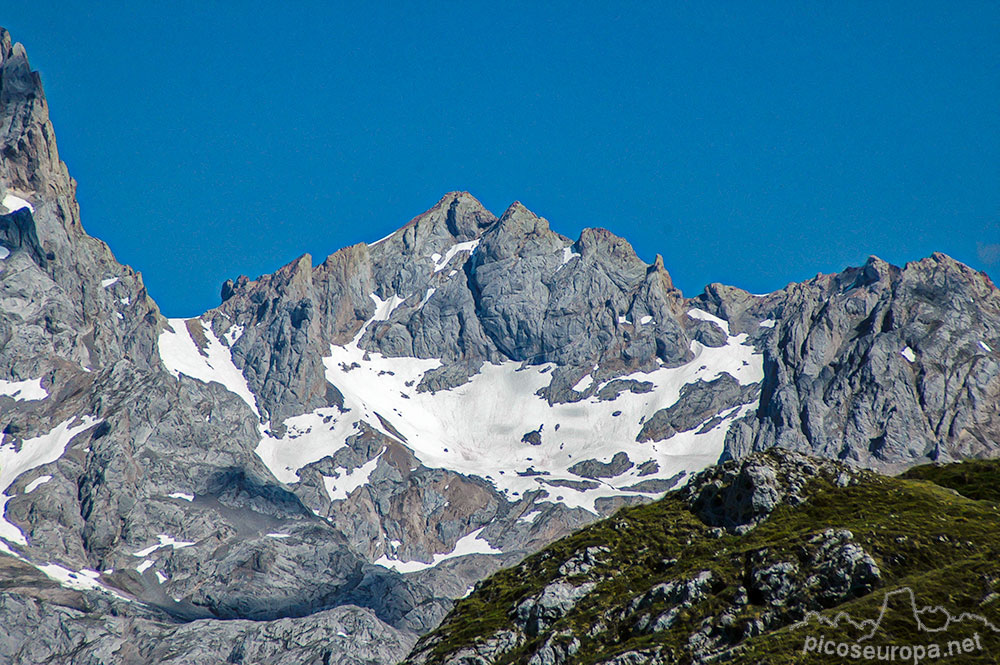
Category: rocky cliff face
[879,366]
[339,451]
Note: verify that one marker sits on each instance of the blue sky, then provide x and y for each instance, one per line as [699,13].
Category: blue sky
[749,143]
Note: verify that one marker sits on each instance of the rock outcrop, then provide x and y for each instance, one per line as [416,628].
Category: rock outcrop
[351,446]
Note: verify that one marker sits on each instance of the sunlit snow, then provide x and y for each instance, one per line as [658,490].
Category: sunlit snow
[233,334]
[767,323]
[165,541]
[908,354]
[384,308]
[340,488]
[109,282]
[33,485]
[180,355]
[984,346]
[705,316]
[383,238]
[441,263]
[12,203]
[477,428]
[472,543]
[182,495]
[529,516]
[33,453]
[84,580]
[568,254]
[29,389]
[585,381]
[427,296]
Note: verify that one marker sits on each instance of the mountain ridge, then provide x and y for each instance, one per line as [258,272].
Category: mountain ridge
[357,443]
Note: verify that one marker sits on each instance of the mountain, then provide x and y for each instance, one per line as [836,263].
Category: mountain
[761,560]
[314,470]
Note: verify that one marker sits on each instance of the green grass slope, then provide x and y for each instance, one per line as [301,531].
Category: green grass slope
[748,595]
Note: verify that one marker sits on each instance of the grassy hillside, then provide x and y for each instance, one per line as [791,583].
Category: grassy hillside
[656,583]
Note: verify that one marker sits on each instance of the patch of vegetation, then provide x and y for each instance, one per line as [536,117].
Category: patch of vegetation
[976,479]
[920,533]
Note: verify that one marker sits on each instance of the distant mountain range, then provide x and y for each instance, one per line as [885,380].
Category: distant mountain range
[313,471]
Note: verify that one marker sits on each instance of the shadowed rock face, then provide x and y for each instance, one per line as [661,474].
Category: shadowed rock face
[163,484]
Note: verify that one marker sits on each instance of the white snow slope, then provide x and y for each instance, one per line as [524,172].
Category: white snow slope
[477,428]
[33,453]
[180,355]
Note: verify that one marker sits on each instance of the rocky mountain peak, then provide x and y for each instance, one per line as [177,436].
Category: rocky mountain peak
[456,217]
[518,234]
[31,164]
[356,444]
[16,77]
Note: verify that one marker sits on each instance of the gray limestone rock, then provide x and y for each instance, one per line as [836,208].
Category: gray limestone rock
[739,494]
[593,468]
[879,366]
[163,489]
[535,614]
[699,402]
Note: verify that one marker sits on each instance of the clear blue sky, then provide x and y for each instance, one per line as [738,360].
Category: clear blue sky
[750,143]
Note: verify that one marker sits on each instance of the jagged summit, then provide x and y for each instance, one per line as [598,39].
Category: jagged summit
[359,442]
[31,163]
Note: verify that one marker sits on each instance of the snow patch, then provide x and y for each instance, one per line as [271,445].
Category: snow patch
[278,535]
[27,390]
[585,381]
[984,346]
[13,203]
[908,354]
[144,566]
[33,485]
[705,316]
[180,355]
[34,452]
[472,543]
[568,254]
[4,252]
[307,439]
[441,263]
[233,334]
[382,239]
[384,308]
[644,320]
[427,296]
[767,323]
[529,516]
[182,495]
[439,431]
[160,577]
[83,580]
[111,281]
[165,541]
[340,488]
